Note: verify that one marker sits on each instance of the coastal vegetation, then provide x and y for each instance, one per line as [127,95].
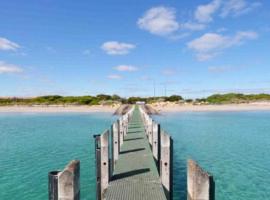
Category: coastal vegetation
[236,98]
[103,99]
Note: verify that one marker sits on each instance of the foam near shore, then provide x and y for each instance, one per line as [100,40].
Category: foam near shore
[57,108]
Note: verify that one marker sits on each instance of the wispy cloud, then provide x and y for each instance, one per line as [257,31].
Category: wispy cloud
[146,78]
[114,76]
[50,49]
[211,44]
[193,26]
[169,72]
[117,48]
[219,69]
[159,20]
[223,8]
[127,68]
[204,13]
[86,52]
[238,7]
[7,45]
[6,68]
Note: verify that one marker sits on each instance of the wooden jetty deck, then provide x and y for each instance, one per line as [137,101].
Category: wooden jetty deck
[134,161]
[135,175]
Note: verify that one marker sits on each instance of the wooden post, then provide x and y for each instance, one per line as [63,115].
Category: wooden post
[65,185]
[156,141]
[166,150]
[200,185]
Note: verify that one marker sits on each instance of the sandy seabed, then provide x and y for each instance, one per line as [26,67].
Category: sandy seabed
[56,109]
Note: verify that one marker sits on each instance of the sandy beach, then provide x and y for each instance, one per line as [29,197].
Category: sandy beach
[170,107]
[56,109]
[161,107]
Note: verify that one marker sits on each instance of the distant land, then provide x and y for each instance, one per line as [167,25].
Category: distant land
[110,100]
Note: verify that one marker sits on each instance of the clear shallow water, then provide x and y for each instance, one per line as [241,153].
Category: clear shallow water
[233,146]
[31,145]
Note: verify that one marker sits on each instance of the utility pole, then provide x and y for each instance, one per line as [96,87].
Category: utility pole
[154,88]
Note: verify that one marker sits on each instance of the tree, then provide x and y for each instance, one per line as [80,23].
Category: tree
[173,98]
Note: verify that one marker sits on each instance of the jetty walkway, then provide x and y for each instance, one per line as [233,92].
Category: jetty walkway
[134,161]
[135,174]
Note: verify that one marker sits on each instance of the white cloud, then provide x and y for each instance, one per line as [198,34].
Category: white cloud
[204,13]
[6,68]
[128,68]
[159,20]
[114,76]
[117,48]
[7,45]
[237,7]
[211,44]
[193,26]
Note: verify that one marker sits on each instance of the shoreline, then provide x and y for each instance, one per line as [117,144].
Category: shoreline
[57,109]
[164,108]
[212,108]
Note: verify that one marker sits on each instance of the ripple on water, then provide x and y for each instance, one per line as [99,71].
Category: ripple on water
[233,146]
[33,145]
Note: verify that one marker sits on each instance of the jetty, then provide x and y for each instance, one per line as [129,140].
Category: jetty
[134,160]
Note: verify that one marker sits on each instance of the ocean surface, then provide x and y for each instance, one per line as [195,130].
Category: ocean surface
[233,146]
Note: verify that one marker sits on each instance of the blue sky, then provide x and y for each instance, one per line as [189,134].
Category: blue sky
[192,48]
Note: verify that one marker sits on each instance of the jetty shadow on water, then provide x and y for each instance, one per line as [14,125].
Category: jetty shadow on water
[130,173]
[132,150]
[179,178]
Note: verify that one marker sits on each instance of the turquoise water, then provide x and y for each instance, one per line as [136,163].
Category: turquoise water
[31,145]
[233,146]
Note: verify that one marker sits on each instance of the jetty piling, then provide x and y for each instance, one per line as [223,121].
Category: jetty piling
[102,162]
[156,141]
[115,141]
[166,163]
[65,185]
[200,183]
[134,160]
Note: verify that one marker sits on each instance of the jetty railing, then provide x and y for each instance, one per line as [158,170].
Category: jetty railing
[64,185]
